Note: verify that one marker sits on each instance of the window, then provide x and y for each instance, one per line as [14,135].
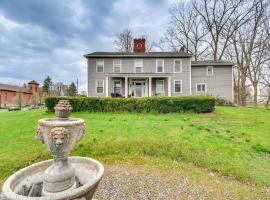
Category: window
[159,86]
[177,65]
[159,66]
[100,86]
[100,66]
[117,66]
[138,64]
[177,86]
[210,71]
[201,87]
[117,86]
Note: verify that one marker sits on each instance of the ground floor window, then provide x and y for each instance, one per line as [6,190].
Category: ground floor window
[117,86]
[201,87]
[160,86]
[177,86]
[100,86]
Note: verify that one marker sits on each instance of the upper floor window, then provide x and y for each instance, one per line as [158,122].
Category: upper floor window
[100,66]
[201,87]
[100,86]
[117,66]
[138,65]
[177,86]
[210,71]
[177,65]
[159,66]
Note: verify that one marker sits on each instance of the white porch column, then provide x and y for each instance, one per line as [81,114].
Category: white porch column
[169,86]
[106,86]
[126,87]
[150,86]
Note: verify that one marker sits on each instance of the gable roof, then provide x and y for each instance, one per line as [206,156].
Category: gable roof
[14,88]
[212,62]
[138,55]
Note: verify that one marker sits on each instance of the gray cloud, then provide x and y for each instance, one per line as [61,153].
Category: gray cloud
[40,38]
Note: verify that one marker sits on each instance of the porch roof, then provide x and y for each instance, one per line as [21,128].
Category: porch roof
[133,75]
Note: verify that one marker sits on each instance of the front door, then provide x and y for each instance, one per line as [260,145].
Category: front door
[138,89]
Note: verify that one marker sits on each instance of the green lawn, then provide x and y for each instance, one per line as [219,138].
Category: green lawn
[233,141]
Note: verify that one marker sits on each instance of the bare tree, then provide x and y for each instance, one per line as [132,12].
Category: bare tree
[222,18]
[252,39]
[265,91]
[265,80]
[185,30]
[148,45]
[124,41]
[249,51]
[59,89]
[236,53]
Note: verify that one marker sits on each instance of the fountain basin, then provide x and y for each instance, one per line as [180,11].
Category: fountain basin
[88,172]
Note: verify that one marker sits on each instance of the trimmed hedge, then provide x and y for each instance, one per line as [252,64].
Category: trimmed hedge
[198,104]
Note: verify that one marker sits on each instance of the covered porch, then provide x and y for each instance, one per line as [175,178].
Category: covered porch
[142,85]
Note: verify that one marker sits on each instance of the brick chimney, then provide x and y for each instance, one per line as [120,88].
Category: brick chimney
[139,45]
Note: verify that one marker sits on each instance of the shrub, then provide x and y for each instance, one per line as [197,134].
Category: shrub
[198,104]
[223,102]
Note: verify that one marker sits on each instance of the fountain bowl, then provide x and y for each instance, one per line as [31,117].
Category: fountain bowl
[88,172]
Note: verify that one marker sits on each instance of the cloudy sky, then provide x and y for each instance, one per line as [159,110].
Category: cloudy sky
[50,37]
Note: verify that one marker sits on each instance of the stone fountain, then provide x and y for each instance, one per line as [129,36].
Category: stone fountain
[63,177]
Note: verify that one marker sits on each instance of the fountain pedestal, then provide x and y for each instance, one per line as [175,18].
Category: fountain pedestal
[63,177]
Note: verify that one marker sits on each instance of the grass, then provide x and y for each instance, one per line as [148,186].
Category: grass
[233,142]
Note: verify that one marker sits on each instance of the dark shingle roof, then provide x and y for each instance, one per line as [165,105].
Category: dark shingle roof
[14,88]
[138,55]
[33,82]
[212,62]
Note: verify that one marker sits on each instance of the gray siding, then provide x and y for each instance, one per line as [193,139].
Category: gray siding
[220,84]
[149,67]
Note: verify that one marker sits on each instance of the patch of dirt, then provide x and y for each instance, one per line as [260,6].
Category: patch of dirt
[207,114]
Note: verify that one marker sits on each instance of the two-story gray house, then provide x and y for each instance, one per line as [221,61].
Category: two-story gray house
[146,74]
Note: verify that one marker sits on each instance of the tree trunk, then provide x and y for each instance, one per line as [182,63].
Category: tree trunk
[268,98]
[243,92]
[255,96]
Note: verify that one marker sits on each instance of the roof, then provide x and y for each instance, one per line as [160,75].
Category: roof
[138,55]
[212,62]
[33,82]
[14,88]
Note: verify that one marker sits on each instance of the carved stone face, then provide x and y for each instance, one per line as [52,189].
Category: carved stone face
[59,138]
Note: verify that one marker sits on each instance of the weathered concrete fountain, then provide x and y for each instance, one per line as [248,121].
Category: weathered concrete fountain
[63,177]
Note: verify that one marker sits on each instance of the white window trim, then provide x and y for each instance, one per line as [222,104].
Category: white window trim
[97,66]
[163,87]
[102,87]
[135,65]
[181,68]
[114,84]
[212,71]
[201,84]
[162,65]
[180,87]
[114,65]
